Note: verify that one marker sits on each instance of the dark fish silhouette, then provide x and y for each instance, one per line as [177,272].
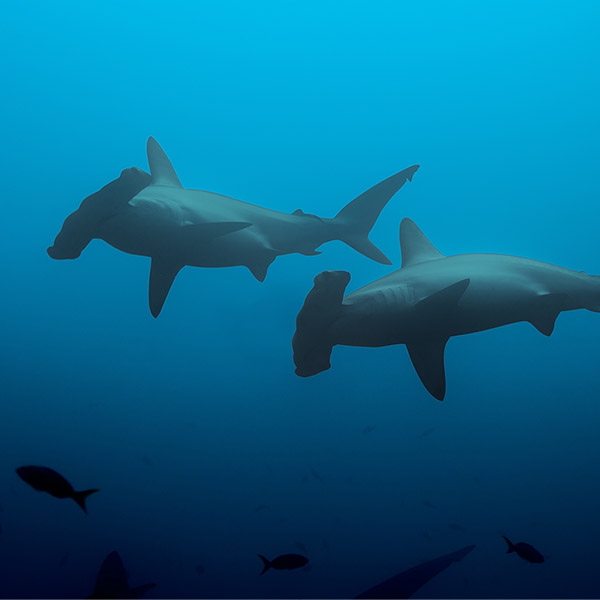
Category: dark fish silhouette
[369,428]
[261,507]
[111,581]
[316,475]
[200,569]
[405,584]
[427,432]
[525,551]
[285,562]
[428,504]
[457,527]
[148,461]
[44,479]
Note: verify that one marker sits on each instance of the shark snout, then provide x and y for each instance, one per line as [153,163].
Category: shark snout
[332,277]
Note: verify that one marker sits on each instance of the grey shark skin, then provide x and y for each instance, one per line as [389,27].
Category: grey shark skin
[155,216]
[432,298]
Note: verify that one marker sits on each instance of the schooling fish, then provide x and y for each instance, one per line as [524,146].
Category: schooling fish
[283,562]
[44,479]
[525,551]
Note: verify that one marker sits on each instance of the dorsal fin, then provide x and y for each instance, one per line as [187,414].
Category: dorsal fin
[415,247]
[161,169]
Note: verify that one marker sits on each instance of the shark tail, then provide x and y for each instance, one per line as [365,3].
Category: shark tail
[80,498]
[266,564]
[140,590]
[357,218]
[323,305]
[511,546]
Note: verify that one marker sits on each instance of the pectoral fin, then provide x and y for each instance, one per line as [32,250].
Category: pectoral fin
[547,308]
[207,231]
[162,275]
[444,301]
[428,360]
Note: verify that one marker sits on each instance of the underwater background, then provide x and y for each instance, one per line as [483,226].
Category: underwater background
[206,447]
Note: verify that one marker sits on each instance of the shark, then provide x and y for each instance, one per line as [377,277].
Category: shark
[111,581]
[432,298]
[153,215]
[407,583]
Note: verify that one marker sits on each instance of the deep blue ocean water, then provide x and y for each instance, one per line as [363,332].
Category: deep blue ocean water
[206,446]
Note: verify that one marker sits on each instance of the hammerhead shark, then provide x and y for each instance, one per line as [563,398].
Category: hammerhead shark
[153,215]
[431,298]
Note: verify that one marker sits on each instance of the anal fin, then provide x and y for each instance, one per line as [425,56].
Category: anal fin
[428,360]
[162,275]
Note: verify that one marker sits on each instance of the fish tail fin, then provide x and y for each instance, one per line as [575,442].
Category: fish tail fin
[80,498]
[357,218]
[266,564]
[511,546]
[140,590]
[323,305]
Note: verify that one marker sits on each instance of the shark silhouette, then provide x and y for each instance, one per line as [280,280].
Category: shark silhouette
[432,298]
[153,215]
[111,581]
[405,584]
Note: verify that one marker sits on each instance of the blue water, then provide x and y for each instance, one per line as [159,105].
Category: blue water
[191,422]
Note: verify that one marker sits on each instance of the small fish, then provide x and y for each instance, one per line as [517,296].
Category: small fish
[368,429]
[316,475]
[283,562]
[457,527]
[525,551]
[301,547]
[261,507]
[428,504]
[200,569]
[44,479]
[325,544]
[148,461]
[427,432]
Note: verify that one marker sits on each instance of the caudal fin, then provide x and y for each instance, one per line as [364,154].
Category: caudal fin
[323,305]
[357,218]
[511,546]
[266,564]
[140,590]
[80,498]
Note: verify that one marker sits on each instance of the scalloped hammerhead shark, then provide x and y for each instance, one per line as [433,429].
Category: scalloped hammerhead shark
[153,215]
[431,298]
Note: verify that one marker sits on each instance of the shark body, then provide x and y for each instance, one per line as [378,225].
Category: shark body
[432,298]
[153,215]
